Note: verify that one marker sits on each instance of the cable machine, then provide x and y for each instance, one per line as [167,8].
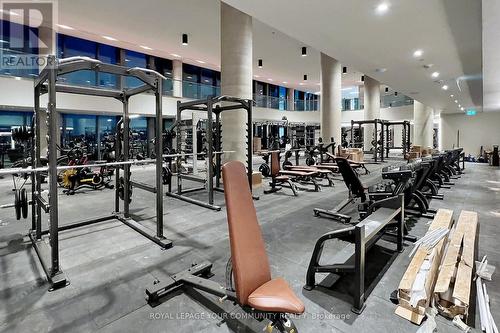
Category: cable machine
[212,106]
[46,83]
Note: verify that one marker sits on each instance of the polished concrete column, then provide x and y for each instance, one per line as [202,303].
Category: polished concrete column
[423,119]
[331,99]
[371,108]
[236,77]
[177,77]
[290,99]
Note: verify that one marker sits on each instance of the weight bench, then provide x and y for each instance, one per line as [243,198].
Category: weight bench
[361,237]
[283,178]
[355,164]
[355,188]
[255,291]
[322,172]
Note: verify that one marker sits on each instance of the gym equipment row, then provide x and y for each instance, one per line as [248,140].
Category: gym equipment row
[382,204]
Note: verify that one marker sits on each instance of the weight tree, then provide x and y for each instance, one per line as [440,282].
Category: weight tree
[46,83]
[212,106]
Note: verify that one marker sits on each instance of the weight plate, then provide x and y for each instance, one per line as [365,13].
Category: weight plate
[17,205]
[24,203]
[265,170]
[310,161]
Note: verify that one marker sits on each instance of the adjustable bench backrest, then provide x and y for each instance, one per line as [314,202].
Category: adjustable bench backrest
[275,163]
[248,253]
[351,178]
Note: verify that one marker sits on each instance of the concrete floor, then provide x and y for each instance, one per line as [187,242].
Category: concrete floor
[109,265]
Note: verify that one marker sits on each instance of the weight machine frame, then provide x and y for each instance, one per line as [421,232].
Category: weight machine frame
[376,123]
[405,144]
[211,105]
[46,83]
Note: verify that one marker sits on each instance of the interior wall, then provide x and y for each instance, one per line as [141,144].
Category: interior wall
[475,131]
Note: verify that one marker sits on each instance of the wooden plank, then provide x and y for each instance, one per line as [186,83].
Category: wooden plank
[455,274]
[442,219]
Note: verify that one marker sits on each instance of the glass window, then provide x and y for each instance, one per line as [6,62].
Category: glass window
[282,98]
[14,47]
[191,78]
[109,55]
[134,59]
[299,100]
[73,47]
[164,66]
[208,79]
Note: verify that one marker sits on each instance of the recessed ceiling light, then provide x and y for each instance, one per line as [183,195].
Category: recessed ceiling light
[459,105]
[382,8]
[17,78]
[284,82]
[452,95]
[445,87]
[175,55]
[462,109]
[418,53]
[269,79]
[435,74]
[200,61]
[301,84]
[67,27]
[145,47]
[109,38]
[456,101]
[256,76]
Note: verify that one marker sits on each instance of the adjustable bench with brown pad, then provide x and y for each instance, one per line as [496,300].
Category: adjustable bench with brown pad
[255,290]
[283,178]
[323,173]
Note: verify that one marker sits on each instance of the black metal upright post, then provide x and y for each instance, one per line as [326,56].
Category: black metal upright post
[159,159]
[36,187]
[179,139]
[53,186]
[249,142]
[126,167]
[210,149]
[218,145]
[375,153]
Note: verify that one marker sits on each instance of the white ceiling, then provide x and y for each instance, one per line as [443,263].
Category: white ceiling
[449,32]
[134,24]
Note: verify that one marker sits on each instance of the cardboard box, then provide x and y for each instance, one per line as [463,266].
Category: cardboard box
[256,179]
[257,144]
[353,154]
[452,291]
[413,155]
[443,219]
